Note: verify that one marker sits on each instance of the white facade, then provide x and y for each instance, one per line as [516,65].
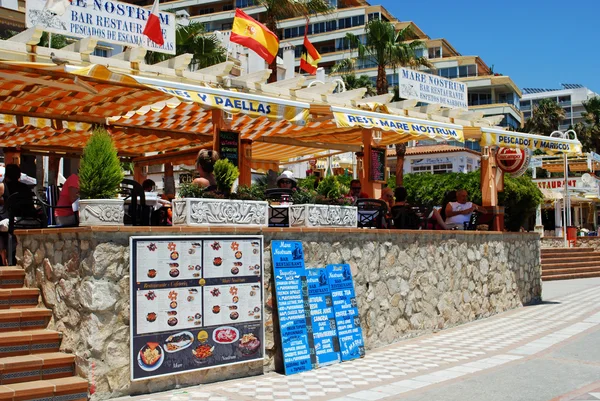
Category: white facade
[570,98]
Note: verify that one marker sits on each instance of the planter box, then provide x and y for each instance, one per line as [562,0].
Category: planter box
[101,212]
[310,215]
[204,212]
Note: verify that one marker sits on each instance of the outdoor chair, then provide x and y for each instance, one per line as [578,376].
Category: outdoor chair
[371,213]
[405,218]
[137,213]
[48,199]
[24,211]
[279,216]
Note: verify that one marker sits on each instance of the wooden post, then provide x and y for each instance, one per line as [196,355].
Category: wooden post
[217,121]
[490,177]
[53,164]
[139,173]
[169,181]
[373,189]
[245,161]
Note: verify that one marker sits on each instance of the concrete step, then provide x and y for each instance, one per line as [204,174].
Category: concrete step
[571,270]
[24,319]
[11,277]
[569,250]
[68,388]
[547,266]
[19,298]
[571,258]
[15,343]
[27,368]
[571,276]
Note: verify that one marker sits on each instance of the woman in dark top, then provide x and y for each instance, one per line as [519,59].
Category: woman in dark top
[205,165]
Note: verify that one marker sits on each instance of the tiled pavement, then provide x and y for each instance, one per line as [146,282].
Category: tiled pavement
[390,372]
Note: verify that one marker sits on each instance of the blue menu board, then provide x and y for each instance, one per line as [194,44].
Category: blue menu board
[291,290]
[345,307]
[326,343]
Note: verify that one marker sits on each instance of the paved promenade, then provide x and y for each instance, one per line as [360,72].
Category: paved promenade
[544,352]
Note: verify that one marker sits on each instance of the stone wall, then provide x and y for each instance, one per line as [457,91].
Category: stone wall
[407,283]
[582,242]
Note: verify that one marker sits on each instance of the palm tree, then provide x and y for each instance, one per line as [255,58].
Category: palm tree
[589,131]
[546,117]
[206,49]
[278,10]
[351,81]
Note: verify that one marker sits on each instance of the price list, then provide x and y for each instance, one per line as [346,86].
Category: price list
[377,158]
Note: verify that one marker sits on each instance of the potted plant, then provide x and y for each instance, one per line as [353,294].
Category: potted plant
[199,207]
[100,177]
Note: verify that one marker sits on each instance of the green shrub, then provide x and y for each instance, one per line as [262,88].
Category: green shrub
[225,175]
[189,190]
[252,192]
[303,196]
[100,174]
[329,187]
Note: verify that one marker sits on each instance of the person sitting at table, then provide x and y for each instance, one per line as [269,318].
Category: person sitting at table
[400,194]
[355,191]
[69,194]
[387,195]
[149,187]
[205,165]
[458,213]
[286,180]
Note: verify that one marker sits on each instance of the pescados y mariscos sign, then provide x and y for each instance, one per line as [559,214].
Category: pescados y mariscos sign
[548,144]
[430,88]
[107,20]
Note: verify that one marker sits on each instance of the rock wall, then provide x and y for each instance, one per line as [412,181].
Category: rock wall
[407,283]
[582,242]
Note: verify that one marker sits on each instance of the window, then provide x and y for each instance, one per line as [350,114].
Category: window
[421,169]
[476,99]
[373,16]
[435,52]
[420,52]
[102,52]
[442,168]
[243,3]
[227,26]
[467,71]
[228,7]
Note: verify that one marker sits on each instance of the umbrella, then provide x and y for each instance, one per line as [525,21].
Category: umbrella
[25,179]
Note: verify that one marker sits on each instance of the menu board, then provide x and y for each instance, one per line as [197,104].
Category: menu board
[345,307]
[196,303]
[377,160]
[322,317]
[229,146]
[291,290]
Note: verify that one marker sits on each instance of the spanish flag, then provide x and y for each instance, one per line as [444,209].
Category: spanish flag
[252,34]
[309,59]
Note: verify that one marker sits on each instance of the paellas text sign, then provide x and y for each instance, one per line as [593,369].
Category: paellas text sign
[109,21]
[545,144]
[432,89]
[233,105]
[344,119]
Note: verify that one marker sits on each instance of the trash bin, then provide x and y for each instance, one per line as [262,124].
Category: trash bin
[572,236]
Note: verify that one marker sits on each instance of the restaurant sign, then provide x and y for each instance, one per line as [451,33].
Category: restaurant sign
[403,125]
[508,139]
[431,89]
[196,303]
[251,106]
[107,20]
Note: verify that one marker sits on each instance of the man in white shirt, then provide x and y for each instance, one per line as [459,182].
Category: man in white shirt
[458,213]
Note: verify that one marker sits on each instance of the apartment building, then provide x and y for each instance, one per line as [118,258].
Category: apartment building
[570,97]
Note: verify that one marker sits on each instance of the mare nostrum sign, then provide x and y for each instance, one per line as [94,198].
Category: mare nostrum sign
[430,88]
[109,21]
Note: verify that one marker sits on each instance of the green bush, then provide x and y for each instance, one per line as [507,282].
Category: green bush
[329,187]
[100,174]
[225,175]
[252,192]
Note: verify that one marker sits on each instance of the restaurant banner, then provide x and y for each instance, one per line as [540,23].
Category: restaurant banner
[517,140]
[324,329]
[429,88]
[236,103]
[346,118]
[347,317]
[293,309]
[196,303]
[107,20]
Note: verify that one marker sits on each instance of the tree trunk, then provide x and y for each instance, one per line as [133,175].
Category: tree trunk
[382,86]
[400,153]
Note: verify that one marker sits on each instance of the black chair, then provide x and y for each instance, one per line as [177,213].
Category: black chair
[371,213]
[473,221]
[276,194]
[279,216]
[405,218]
[137,213]
[49,200]
[24,211]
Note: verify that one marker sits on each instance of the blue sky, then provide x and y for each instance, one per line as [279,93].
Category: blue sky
[538,43]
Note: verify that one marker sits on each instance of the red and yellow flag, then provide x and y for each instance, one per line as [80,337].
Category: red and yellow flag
[252,34]
[309,58]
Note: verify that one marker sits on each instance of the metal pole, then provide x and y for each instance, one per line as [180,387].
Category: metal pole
[566,223]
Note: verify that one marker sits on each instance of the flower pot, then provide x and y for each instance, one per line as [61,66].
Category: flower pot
[310,215]
[206,211]
[101,212]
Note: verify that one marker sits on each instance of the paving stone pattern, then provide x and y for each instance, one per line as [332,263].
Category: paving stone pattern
[389,372]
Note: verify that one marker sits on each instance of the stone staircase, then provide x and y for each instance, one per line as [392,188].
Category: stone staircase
[31,365]
[569,263]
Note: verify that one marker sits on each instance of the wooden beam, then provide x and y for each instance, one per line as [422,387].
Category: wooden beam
[146,131]
[53,116]
[171,157]
[315,145]
[51,84]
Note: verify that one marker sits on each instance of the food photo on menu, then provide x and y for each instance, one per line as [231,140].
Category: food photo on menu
[166,309]
[168,260]
[231,258]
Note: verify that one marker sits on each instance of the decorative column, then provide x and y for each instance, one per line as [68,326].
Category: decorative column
[492,180]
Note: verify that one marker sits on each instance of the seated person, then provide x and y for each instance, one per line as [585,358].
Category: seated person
[400,194]
[438,214]
[458,213]
[205,166]
[286,180]
[149,187]
[13,185]
[403,215]
[387,195]
[355,191]
[69,195]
